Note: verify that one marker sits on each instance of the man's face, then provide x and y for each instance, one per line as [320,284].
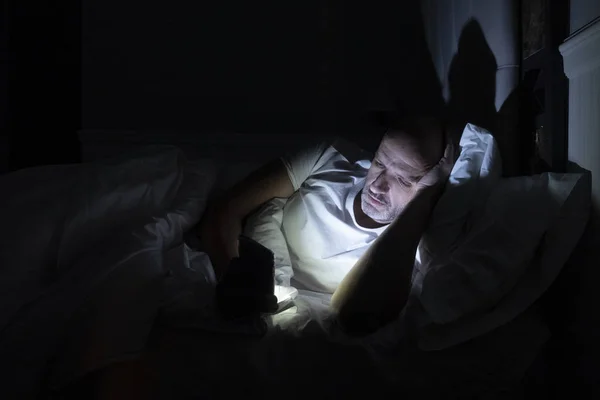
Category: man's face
[399,163]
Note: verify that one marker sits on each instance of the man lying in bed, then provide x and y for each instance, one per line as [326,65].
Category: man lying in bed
[352,225]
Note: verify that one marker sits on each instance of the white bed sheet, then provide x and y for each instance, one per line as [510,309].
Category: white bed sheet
[81,261]
[300,352]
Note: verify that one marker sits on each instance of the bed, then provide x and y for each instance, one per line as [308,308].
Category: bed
[111,235]
[192,362]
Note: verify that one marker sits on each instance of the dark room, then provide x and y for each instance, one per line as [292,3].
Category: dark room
[310,199]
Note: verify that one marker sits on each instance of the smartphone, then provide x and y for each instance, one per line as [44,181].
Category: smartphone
[249,283]
[262,262]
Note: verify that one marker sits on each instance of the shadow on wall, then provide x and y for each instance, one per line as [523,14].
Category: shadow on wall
[472,85]
[472,80]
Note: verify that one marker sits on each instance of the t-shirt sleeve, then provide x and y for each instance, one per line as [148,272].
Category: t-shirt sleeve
[302,164]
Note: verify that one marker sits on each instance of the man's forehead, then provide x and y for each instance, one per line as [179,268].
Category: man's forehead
[417,149]
[401,162]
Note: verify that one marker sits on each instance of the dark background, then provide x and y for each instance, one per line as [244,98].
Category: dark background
[43,77]
[272,67]
[205,66]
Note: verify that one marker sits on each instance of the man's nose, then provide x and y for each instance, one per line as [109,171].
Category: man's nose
[380,185]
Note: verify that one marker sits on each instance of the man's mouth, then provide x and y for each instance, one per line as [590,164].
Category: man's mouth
[374,200]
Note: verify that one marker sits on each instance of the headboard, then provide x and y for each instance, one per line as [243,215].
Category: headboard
[544,26]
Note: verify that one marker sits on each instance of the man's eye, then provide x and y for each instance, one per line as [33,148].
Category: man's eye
[378,164]
[402,181]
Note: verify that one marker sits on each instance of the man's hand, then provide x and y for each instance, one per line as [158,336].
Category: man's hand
[437,176]
[221,224]
[219,237]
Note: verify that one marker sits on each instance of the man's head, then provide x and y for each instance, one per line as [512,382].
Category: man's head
[408,150]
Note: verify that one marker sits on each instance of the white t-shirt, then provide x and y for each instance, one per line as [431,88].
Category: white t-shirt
[323,237]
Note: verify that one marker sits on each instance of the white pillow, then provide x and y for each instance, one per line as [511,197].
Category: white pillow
[513,253]
[477,169]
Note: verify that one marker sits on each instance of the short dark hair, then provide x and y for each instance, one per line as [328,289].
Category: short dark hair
[415,125]
[422,127]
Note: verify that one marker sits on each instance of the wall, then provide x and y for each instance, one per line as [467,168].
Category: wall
[146,63]
[4,70]
[45,85]
[250,67]
[583,12]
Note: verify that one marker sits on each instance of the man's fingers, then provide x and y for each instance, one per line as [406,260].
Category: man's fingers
[447,162]
[449,152]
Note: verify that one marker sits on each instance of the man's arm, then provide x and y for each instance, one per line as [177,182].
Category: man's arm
[221,225]
[377,288]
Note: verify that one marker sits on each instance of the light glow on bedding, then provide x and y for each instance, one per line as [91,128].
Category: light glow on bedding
[284,293]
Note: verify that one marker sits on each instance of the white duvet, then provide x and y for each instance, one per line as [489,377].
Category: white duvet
[82,262]
[93,256]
